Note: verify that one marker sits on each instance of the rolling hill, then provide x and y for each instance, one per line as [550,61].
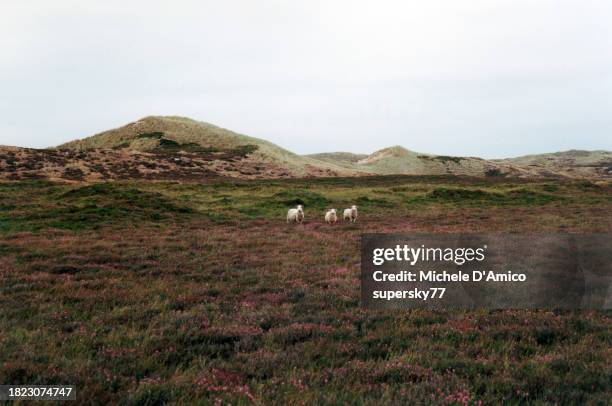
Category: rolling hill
[572,163]
[178,148]
[399,160]
[162,134]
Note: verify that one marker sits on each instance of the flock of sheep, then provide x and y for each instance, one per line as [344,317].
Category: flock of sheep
[296,215]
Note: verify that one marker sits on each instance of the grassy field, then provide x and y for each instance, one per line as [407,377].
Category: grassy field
[153,293]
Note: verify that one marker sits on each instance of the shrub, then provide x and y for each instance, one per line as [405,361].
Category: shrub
[494,172]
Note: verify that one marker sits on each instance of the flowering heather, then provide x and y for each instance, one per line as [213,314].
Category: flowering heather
[175,293]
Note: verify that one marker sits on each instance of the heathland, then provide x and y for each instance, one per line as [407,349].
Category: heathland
[143,292]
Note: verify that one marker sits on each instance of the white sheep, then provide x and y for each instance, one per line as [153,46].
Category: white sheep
[331,217]
[296,215]
[351,214]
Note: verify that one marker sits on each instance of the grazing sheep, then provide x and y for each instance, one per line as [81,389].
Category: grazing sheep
[351,214]
[331,217]
[296,215]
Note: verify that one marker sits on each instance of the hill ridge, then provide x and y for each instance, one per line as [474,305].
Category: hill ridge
[176,147]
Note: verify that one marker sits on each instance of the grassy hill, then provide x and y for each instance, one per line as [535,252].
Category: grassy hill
[170,133]
[180,134]
[572,163]
[399,160]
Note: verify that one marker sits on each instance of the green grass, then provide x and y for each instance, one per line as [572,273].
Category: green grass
[480,197]
[86,207]
[37,205]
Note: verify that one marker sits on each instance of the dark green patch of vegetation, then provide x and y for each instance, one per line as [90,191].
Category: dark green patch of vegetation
[92,206]
[170,146]
[494,172]
[156,135]
[550,188]
[167,145]
[308,199]
[463,196]
[442,158]
[445,159]
[365,201]
[244,150]
[122,145]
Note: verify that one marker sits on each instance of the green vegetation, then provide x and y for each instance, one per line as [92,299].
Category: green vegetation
[445,158]
[494,172]
[154,293]
[157,135]
[166,145]
[51,205]
[244,150]
[442,158]
[479,197]
[85,207]
[290,198]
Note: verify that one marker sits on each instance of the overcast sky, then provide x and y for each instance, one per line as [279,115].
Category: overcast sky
[490,78]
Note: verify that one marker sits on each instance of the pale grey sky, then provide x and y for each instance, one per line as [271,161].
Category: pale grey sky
[490,78]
